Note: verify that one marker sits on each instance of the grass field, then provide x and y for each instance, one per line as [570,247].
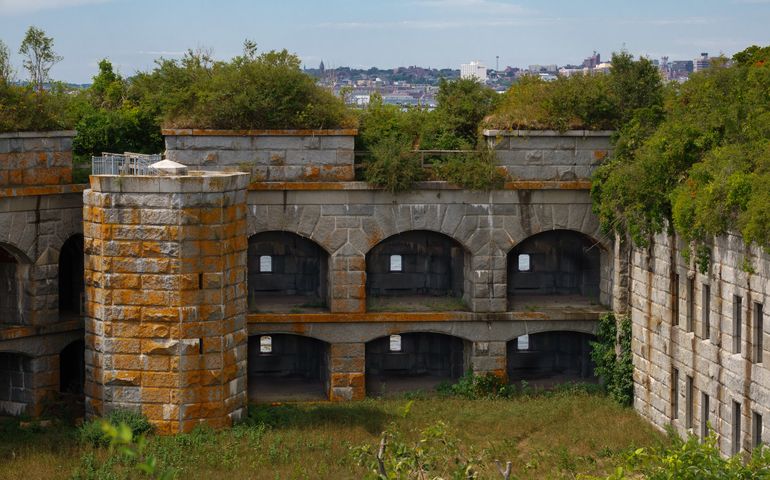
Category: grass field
[545,436]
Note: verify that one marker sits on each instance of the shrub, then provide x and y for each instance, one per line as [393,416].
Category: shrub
[393,166]
[611,353]
[22,109]
[475,172]
[93,433]
[474,386]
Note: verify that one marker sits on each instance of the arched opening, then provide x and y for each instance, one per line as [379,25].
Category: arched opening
[287,274]
[550,358]
[416,271]
[71,277]
[72,368]
[407,362]
[554,269]
[285,367]
[13,272]
[16,384]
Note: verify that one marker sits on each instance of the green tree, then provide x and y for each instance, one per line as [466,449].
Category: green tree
[6,70]
[462,104]
[40,57]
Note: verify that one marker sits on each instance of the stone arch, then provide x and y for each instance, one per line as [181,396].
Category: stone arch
[15,269]
[287,367]
[287,271]
[71,279]
[558,268]
[417,360]
[417,264]
[551,357]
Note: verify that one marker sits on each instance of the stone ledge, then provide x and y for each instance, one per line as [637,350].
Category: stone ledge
[13,332]
[433,185]
[547,133]
[26,191]
[258,133]
[51,134]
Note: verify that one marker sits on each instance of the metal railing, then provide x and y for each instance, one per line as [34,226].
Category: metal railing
[124,164]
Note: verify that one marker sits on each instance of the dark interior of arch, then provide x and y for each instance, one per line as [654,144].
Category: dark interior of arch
[432,264]
[556,356]
[10,288]
[299,269]
[71,280]
[16,383]
[291,356]
[562,262]
[422,354]
[72,368]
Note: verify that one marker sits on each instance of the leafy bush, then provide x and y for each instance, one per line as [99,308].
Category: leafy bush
[593,102]
[93,432]
[475,172]
[700,164]
[249,92]
[692,459]
[393,166]
[474,386]
[611,353]
[22,109]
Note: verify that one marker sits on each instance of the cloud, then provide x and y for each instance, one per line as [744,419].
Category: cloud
[440,24]
[11,7]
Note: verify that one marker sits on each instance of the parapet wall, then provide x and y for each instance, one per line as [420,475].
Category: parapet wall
[700,341]
[36,158]
[548,154]
[268,155]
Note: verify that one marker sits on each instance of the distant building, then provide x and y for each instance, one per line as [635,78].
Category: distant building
[702,63]
[552,68]
[592,61]
[474,70]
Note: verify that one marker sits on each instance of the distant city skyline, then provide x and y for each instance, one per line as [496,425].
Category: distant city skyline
[427,33]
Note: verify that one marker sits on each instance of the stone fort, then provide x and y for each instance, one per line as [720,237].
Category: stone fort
[252,266]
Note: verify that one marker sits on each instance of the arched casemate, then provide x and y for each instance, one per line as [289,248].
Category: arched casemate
[14,273]
[416,271]
[547,359]
[71,279]
[406,362]
[284,367]
[558,268]
[287,273]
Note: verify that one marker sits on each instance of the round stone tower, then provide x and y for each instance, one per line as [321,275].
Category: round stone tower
[165,272]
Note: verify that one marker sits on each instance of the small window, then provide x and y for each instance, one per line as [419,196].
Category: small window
[522,343]
[688,399]
[706,311]
[265,344]
[759,333]
[675,394]
[265,263]
[756,429]
[675,299]
[395,343]
[737,323]
[736,440]
[704,415]
[524,265]
[690,304]
[395,263]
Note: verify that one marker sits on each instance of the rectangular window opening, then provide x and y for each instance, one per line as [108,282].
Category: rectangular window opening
[675,299]
[395,343]
[706,311]
[396,264]
[265,264]
[690,303]
[524,262]
[674,394]
[737,323]
[688,394]
[756,430]
[522,342]
[736,445]
[704,415]
[759,332]
[265,344]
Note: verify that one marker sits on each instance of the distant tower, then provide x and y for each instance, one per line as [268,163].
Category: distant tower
[497,63]
[322,68]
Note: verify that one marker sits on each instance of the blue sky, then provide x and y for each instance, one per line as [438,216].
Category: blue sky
[383,33]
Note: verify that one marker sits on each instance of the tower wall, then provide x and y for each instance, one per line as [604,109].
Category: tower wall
[165,272]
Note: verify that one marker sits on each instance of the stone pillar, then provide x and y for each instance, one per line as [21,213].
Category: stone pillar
[621,276]
[488,357]
[347,380]
[165,268]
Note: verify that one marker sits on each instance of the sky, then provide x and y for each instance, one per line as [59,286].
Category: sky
[382,33]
